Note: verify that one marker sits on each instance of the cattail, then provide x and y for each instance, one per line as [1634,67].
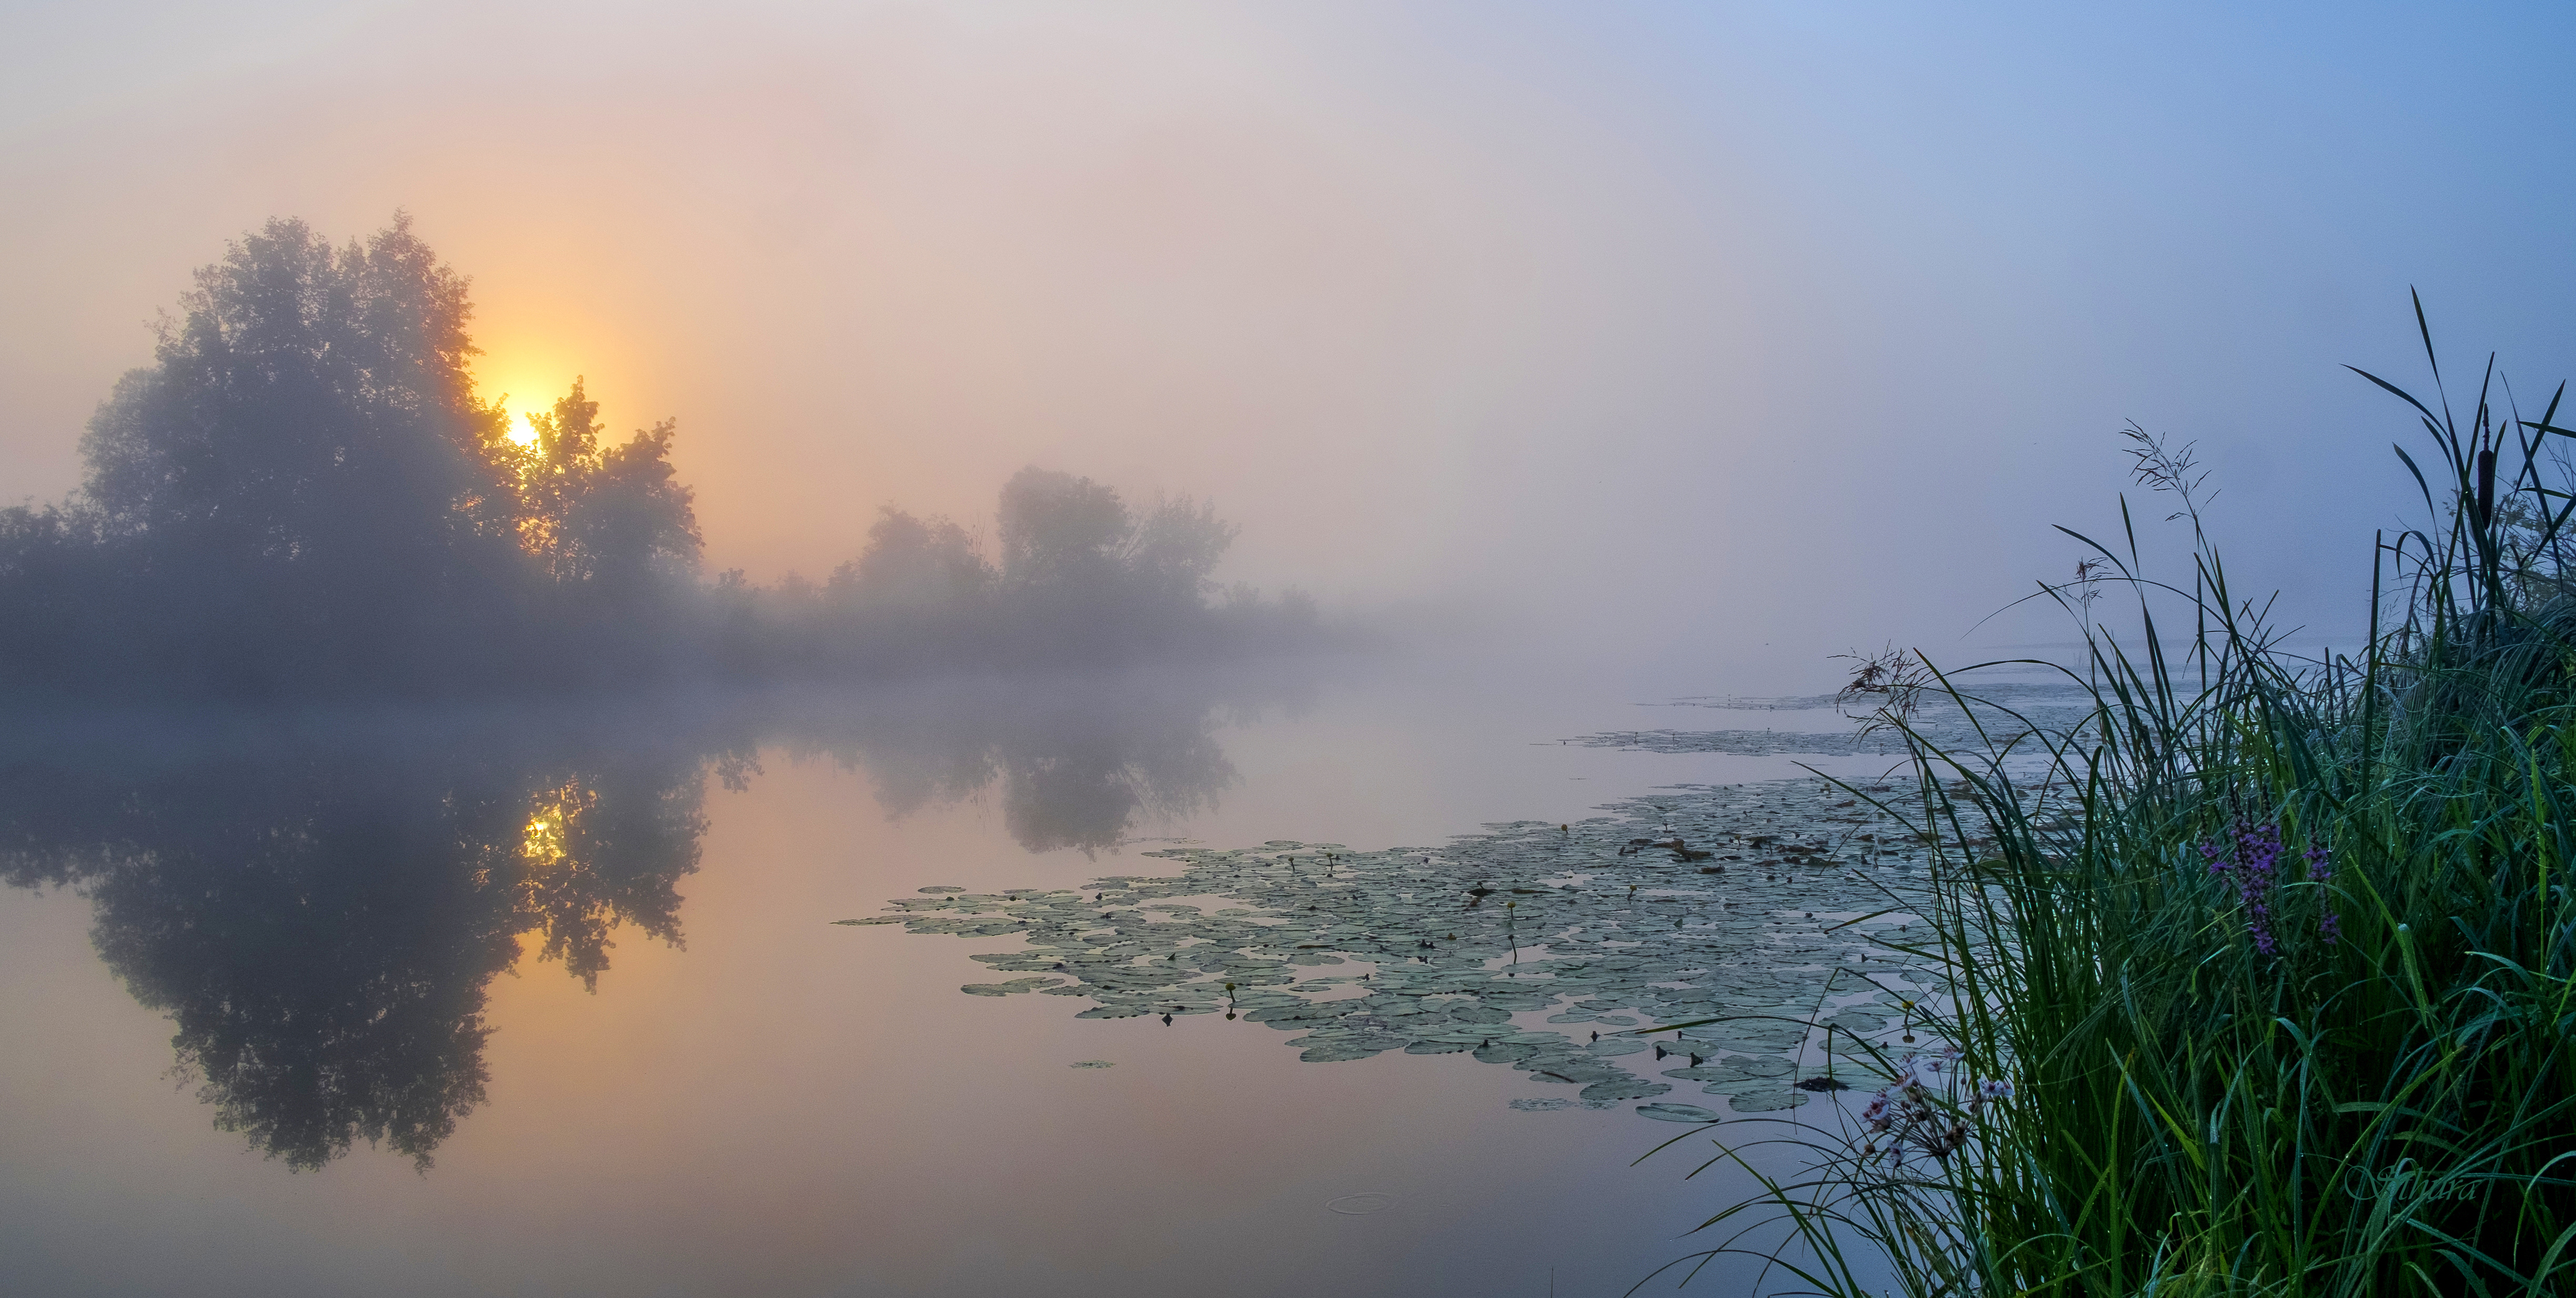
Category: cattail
[2486,488]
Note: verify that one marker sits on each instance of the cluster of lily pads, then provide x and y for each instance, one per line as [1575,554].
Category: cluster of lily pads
[1778,910]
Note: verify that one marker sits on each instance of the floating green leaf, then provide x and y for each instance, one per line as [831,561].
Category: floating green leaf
[1411,950]
[1677,1113]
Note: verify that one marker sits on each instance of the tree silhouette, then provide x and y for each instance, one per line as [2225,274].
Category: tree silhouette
[614,518]
[913,565]
[1060,533]
[303,496]
[304,477]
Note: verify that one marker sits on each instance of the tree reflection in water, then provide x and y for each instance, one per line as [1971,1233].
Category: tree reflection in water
[320,908]
[1076,762]
[319,913]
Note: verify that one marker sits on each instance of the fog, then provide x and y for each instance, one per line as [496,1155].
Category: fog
[611,494]
[1681,344]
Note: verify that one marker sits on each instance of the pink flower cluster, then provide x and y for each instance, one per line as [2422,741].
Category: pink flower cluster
[1905,1110]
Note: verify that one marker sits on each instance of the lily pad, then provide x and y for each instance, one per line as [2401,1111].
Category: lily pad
[1624,1088]
[1432,959]
[1678,1113]
[1765,1099]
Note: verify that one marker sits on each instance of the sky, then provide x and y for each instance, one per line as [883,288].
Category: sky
[1693,342]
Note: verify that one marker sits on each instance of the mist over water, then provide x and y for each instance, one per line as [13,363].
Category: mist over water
[312,914]
[526,517]
[318,901]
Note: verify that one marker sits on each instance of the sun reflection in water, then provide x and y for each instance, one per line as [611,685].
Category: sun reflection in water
[547,841]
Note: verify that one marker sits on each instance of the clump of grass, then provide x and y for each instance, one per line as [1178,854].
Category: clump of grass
[2274,953]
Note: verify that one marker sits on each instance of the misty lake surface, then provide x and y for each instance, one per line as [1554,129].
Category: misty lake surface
[381,925]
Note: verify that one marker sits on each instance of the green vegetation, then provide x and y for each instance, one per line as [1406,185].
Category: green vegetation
[2271,956]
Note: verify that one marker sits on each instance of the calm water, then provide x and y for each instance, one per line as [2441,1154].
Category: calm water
[355,923]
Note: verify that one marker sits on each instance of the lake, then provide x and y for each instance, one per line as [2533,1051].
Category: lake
[418,966]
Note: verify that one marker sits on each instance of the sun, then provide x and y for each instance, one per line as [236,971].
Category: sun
[520,431]
[524,394]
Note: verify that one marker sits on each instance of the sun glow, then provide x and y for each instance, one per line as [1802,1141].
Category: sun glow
[553,821]
[525,393]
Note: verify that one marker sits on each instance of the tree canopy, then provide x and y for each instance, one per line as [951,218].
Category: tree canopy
[304,494]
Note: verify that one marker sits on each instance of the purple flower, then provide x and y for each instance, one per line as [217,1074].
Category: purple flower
[2321,870]
[2250,858]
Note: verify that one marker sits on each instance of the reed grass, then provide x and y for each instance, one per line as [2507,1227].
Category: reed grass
[2273,954]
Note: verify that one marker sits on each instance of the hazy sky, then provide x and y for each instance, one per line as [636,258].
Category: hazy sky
[1669,334]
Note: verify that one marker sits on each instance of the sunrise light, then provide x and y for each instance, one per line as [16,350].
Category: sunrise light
[734,648]
[525,393]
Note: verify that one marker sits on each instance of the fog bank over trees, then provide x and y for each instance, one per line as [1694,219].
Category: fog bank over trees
[1080,580]
[305,496]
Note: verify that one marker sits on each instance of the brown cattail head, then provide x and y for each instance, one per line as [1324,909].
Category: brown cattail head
[2486,488]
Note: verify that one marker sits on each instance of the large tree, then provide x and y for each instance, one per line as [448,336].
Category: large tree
[305,493]
[310,404]
[612,516]
[304,487]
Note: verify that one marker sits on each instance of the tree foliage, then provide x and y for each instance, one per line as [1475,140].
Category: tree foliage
[304,495]
[614,516]
[1079,578]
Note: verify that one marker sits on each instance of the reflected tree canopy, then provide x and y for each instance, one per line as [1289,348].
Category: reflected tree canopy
[319,916]
[319,909]
[1075,762]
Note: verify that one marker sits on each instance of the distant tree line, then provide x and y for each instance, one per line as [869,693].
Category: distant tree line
[1080,580]
[304,496]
